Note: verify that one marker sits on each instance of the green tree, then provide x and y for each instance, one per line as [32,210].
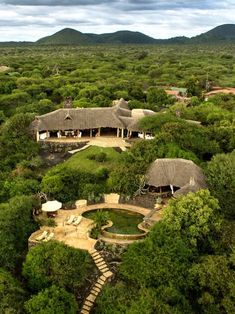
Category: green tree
[2,117]
[53,300]
[159,275]
[220,174]
[11,294]
[101,218]
[56,263]
[16,142]
[193,87]
[157,98]
[16,225]
[154,123]
[191,138]
[213,284]
[196,217]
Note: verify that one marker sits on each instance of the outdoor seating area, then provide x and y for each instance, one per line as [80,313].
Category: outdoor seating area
[45,236]
[73,220]
[145,136]
[73,229]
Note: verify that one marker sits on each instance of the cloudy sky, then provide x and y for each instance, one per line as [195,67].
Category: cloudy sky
[33,19]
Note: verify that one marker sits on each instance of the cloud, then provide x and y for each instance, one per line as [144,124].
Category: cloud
[54,2]
[127,4]
[30,20]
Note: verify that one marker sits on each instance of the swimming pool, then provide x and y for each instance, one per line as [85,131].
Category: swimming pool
[124,221]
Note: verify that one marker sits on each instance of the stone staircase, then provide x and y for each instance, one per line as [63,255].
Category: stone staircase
[97,287]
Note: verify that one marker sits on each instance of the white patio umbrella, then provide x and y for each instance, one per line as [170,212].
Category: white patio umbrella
[51,206]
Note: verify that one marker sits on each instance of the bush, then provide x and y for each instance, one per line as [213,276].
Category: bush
[100,157]
[53,300]
[56,263]
[11,294]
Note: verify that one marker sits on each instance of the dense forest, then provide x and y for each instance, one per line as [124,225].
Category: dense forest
[186,264]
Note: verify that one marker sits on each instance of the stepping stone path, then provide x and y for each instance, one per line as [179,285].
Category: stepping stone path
[97,287]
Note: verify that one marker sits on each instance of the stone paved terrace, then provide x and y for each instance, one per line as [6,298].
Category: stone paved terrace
[75,236]
[102,141]
[78,236]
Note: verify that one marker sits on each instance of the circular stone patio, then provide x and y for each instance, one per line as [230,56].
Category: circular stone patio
[78,236]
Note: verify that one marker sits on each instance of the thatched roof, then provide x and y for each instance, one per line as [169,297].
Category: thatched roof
[178,172]
[117,116]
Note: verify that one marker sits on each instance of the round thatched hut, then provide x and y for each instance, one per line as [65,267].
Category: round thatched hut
[179,176]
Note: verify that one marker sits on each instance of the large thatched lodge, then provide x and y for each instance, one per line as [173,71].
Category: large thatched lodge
[117,120]
[178,175]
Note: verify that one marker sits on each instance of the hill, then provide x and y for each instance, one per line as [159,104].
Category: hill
[124,37]
[220,33]
[66,36]
[69,36]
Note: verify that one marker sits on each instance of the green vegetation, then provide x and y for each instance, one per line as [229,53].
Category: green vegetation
[177,268]
[12,295]
[84,175]
[55,263]
[220,33]
[70,36]
[186,264]
[221,180]
[93,159]
[52,300]
[16,221]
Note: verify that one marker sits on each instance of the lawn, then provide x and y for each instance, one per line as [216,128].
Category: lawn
[81,159]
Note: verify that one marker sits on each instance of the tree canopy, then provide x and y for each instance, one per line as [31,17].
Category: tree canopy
[52,300]
[55,263]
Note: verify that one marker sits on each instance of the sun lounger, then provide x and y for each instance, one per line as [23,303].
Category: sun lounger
[49,237]
[70,220]
[42,236]
[77,221]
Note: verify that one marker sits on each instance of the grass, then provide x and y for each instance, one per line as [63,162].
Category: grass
[81,159]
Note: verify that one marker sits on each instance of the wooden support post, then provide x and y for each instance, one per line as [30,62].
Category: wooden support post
[48,134]
[90,132]
[144,135]
[99,130]
[117,132]
[122,133]
[37,136]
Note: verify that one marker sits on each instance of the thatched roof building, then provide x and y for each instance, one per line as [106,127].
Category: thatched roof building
[180,173]
[119,116]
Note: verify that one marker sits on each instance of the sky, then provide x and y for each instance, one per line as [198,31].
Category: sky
[32,19]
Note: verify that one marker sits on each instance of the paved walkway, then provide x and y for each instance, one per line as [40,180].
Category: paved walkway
[105,275]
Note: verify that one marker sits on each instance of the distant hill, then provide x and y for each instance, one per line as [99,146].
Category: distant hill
[66,36]
[70,36]
[124,37]
[220,33]
[15,43]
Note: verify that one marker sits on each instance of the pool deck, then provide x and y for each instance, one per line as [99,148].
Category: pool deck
[78,236]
